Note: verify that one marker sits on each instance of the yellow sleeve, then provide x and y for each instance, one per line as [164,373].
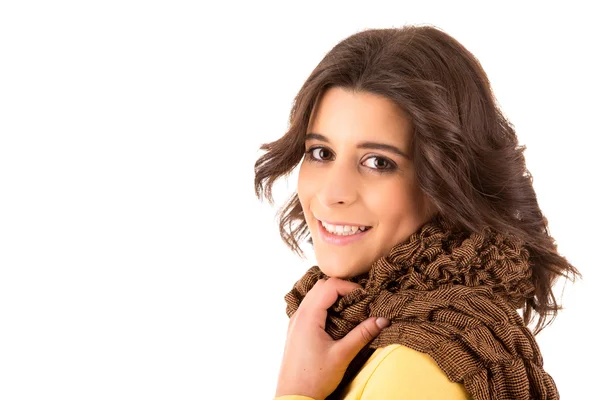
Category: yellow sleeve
[405,373]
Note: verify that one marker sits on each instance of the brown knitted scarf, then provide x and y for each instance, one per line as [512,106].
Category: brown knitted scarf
[452,295]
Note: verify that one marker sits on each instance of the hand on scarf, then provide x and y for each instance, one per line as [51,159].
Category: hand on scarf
[313,363]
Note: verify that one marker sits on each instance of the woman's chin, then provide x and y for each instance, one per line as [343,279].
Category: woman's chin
[336,274]
[339,270]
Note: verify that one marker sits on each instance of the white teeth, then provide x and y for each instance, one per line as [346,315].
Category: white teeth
[343,230]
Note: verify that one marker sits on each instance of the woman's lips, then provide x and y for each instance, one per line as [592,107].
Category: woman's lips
[338,239]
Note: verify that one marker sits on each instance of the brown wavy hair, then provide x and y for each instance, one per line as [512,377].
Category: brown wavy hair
[465,151]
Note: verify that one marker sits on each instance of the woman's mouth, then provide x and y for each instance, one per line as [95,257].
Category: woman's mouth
[341,234]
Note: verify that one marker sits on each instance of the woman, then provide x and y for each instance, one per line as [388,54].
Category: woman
[415,195]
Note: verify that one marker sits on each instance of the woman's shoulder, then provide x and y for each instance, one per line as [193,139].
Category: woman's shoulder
[397,370]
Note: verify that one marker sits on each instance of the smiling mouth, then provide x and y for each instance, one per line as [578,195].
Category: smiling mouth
[343,230]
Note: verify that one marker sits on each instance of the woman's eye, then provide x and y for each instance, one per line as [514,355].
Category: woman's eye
[319,153]
[378,163]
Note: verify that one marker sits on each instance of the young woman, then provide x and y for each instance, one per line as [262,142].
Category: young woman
[415,196]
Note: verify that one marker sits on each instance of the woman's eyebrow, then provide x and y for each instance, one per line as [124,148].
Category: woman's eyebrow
[361,145]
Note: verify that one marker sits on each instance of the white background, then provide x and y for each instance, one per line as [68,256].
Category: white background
[135,261]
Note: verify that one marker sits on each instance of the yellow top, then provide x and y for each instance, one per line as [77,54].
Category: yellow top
[399,372]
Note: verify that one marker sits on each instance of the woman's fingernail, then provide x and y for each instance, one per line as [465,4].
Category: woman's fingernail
[382,322]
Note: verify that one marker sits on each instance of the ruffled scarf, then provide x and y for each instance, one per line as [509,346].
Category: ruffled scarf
[452,295]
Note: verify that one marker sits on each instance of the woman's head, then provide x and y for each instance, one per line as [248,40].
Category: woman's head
[357,173]
[425,94]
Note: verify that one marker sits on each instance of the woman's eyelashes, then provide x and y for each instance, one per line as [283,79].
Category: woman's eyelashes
[319,158]
[377,164]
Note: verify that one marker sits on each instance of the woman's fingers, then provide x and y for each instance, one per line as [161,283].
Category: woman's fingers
[349,346]
[328,291]
[323,295]
[312,360]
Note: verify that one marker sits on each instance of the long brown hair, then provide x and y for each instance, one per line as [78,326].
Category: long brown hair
[465,151]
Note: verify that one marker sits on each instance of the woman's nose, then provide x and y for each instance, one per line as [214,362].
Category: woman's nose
[338,185]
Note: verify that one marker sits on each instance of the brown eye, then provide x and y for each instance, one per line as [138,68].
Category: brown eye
[320,153]
[379,163]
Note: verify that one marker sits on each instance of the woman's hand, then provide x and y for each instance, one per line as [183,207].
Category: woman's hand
[313,363]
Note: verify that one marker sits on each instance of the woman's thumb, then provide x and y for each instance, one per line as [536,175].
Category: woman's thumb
[360,336]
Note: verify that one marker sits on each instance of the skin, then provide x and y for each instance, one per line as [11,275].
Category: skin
[313,363]
[348,186]
[354,184]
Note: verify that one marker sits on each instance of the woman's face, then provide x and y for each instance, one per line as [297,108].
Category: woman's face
[358,172]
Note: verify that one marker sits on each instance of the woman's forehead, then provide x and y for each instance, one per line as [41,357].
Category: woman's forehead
[345,114]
